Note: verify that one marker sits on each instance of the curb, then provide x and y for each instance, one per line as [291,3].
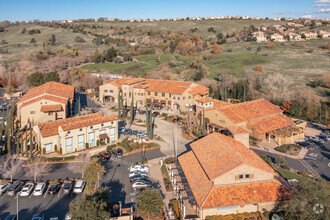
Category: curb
[278,154]
[141,151]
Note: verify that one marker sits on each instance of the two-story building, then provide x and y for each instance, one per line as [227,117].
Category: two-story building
[277,37]
[225,177]
[77,133]
[48,102]
[258,118]
[162,93]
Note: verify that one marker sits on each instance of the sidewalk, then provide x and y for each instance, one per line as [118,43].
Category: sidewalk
[301,155]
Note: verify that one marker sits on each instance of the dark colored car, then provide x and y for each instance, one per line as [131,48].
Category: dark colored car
[127,131]
[67,187]
[323,137]
[155,114]
[142,112]
[134,132]
[105,155]
[54,188]
[117,152]
[11,217]
[305,144]
[14,188]
[138,177]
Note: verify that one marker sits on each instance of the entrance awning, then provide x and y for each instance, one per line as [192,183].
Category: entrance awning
[103,136]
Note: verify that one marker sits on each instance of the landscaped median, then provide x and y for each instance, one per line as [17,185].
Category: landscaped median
[290,149]
[166,177]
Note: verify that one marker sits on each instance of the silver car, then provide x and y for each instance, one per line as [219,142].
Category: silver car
[4,187]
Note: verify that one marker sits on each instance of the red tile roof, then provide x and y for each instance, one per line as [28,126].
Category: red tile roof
[53,89]
[218,154]
[198,181]
[124,81]
[199,89]
[51,128]
[51,108]
[238,129]
[248,193]
[216,103]
[270,124]
[246,111]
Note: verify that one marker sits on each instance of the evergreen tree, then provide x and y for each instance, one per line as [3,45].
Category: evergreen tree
[2,127]
[79,106]
[119,104]
[151,202]
[22,145]
[31,142]
[147,120]
[203,128]
[17,145]
[131,118]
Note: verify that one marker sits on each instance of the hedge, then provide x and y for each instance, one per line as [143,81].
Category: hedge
[175,206]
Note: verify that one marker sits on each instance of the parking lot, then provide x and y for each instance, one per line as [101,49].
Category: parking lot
[116,178]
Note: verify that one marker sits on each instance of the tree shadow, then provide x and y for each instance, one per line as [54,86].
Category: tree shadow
[4,214]
[116,192]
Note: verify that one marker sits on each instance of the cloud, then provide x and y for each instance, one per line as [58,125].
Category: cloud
[322,1]
[324,10]
[284,12]
[308,16]
[321,5]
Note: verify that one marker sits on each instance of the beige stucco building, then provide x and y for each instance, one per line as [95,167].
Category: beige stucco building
[77,133]
[163,93]
[225,177]
[48,102]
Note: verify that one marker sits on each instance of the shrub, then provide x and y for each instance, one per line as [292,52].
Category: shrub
[61,151]
[98,143]
[125,144]
[43,150]
[175,206]
[87,145]
[169,160]
[164,114]
[55,147]
[108,140]
[110,147]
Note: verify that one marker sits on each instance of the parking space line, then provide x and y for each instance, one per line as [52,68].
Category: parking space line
[30,196]
[3,196]
[59,193]
[16,195]
[45,194]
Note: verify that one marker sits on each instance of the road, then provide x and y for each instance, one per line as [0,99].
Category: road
[317,159]
[116,178]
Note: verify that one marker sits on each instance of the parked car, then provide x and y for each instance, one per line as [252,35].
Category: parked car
[54,188]
[139,168]
[326,134]
[67,187]
[27,189]
[105,155]
[316,139]
[323,137]
[14,188]
[137,172]
[138,177]
[155,114]
[11,217]
[79,186]
[40,189]
[4,187]
[37,218]
[127,131]
[134,132]
[117,152]
[141,184]
[304,144]
[121,129]
[142,112]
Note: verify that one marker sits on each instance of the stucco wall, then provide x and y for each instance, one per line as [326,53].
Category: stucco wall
[242,137]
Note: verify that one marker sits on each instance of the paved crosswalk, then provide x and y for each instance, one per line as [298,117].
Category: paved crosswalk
[121,161]
[310,169]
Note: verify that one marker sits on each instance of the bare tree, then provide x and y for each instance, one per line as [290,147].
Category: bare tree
[78,165]
[37,167]
[10,166]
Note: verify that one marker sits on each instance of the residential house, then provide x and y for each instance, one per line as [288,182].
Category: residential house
[259,36]
[294,37]
[225,177]
[76,133]
[162,93]
[48,102]
[259,119]
[324,34]
[277,37]
[309,35]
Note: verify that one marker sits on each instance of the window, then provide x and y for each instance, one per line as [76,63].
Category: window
[48,147]
[50,113]
[105,90]
[81,142]
[247,176]
[91,139]
[112,122]
[69,132]
[80,129]
[156,93]
[170,95]
[111,91]
[32,112]
[68,143]
[178,98]
[174,97]
[91,127]
[189,97]
[183,98]
[112,135]
[241,176]
[148,93]
[102,124]
[163,94]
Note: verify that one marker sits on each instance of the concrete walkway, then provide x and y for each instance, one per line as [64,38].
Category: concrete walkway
[301,155]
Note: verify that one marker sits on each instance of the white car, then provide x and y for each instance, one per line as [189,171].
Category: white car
[141,168]
[40,189]
[137,172]
[79,186]
[141,184]
[316,139]
[4,187]
[27,189]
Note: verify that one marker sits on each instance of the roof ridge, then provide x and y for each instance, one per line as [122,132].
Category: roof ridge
[208,195]
[46,91]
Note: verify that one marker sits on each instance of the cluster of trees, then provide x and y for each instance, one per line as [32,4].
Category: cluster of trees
[37,78]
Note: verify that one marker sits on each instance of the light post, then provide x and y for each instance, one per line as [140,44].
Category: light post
[17,206]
